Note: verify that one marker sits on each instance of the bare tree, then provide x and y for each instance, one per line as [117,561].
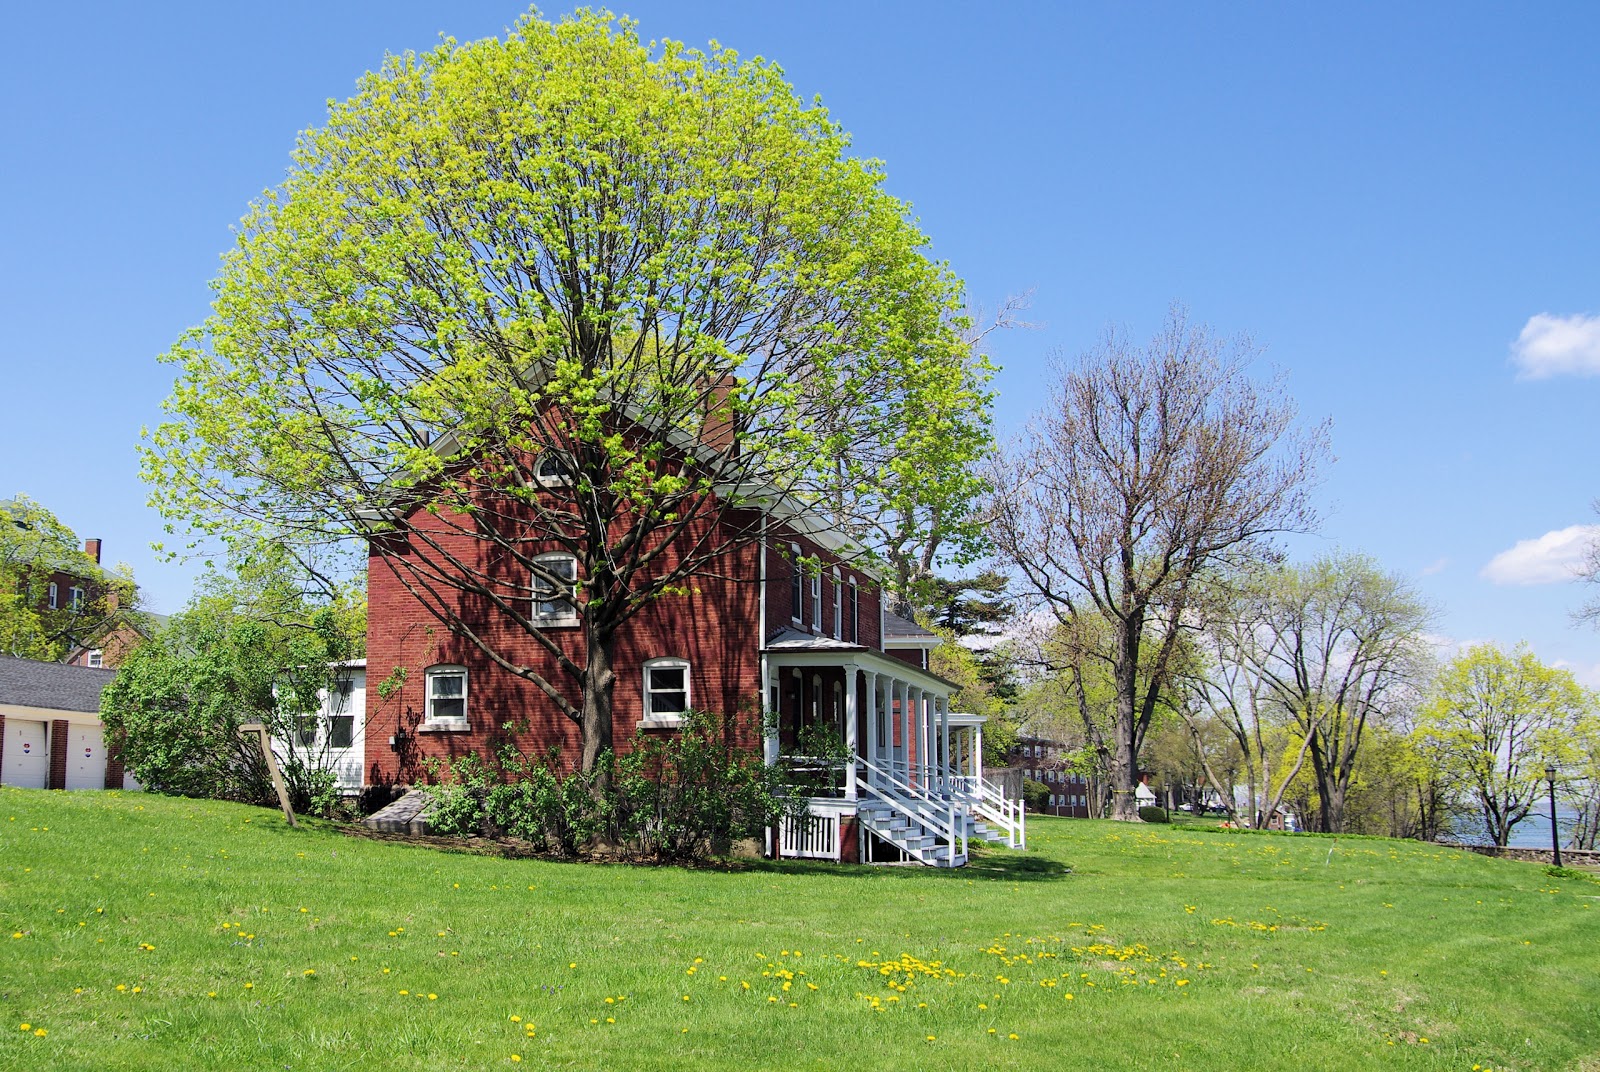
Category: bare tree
[1227,690]
[1151,469]
[1340,645]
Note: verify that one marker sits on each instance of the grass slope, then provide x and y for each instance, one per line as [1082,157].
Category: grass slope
[148,933]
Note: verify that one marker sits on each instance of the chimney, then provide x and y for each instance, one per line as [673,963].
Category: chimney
[92,549]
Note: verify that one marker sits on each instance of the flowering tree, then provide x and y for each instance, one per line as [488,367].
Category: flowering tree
[570,292]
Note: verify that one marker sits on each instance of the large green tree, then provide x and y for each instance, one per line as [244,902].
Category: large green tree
[1496,718]
[569,291]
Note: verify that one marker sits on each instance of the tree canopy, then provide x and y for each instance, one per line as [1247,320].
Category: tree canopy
[572,291]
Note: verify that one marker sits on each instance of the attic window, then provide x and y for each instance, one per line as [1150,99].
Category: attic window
[552,470]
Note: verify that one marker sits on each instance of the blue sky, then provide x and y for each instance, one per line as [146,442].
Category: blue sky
[1385,197]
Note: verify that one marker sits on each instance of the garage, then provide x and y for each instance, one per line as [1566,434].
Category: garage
[50,708]
[27,754]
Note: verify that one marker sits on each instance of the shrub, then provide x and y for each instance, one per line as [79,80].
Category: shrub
[1154,815]
[1035,795]
[697,791]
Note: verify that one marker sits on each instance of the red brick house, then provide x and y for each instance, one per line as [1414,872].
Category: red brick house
[786,623]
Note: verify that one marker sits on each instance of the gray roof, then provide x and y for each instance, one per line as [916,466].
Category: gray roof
[29,683]
[795,640]
[898,628]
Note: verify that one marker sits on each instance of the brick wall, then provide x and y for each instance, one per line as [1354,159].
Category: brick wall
[711,624]
[781,567]
[58,754]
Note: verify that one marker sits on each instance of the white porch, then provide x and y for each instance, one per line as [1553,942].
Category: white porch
[911,778]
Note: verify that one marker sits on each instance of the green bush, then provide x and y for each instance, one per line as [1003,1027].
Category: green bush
[1035,795]
[696,791]
[1154,815]
[677,797]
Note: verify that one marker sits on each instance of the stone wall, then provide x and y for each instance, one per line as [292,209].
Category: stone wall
[1569,857]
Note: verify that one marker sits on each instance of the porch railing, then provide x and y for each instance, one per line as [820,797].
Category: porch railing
[813,836]
[993,806]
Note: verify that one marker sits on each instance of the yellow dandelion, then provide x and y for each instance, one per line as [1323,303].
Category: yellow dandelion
[516,1019]
[247,986]
[40,1032]
[517,1056]
[433,997]
[27,1027]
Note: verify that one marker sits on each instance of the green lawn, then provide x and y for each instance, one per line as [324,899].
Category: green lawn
[142,932]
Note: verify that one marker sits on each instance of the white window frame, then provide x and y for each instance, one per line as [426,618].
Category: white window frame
[796,585]
[55,597]
[652,718]
[552,481]
[431,721]
[855,611]
[816,601]
[75,596]
[542,619]
[95,658]
[838,605]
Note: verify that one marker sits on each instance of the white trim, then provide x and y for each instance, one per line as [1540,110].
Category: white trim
[665,720]
[429,721]
[797,588]
[75,596]
[816,600]
[838,604]
[55,597]
[855,610]
[542,620]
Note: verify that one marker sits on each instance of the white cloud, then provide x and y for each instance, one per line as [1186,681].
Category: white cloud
[1557,345]
[1436,566]
[1588,674]
[1550,559]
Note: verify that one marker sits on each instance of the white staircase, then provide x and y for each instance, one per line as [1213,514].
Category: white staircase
[930,828]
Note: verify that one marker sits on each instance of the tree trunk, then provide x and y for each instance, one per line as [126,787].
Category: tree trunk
[1124,779]
[598,685]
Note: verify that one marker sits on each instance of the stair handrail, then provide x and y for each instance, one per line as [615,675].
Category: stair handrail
[928,816]
[991,802]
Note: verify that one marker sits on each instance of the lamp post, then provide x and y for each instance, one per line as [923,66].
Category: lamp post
[1555,833]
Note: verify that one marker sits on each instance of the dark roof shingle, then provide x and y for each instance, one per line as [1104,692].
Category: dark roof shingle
[30,683]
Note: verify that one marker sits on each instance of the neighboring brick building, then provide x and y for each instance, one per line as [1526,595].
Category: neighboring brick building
[1041,759]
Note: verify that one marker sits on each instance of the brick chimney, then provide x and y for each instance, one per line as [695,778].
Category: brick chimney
[92,549]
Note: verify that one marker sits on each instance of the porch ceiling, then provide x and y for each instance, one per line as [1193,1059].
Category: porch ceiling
[862,658]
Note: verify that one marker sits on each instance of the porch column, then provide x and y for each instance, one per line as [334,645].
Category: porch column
[919,728]
[769,741]
[872,720]
[977,752]
[946,768]
[850,730]
[902,691]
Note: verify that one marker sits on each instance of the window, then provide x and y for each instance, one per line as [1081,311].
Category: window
[855,612]
[816,601]
[838,606]
[54,599]
[341,726]
[552,470]
[447,695]
[75,597]
[96,658]
[795,593]
[555,590]
[666,690]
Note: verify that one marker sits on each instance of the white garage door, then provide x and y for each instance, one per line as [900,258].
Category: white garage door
[27,754]
[86,757]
